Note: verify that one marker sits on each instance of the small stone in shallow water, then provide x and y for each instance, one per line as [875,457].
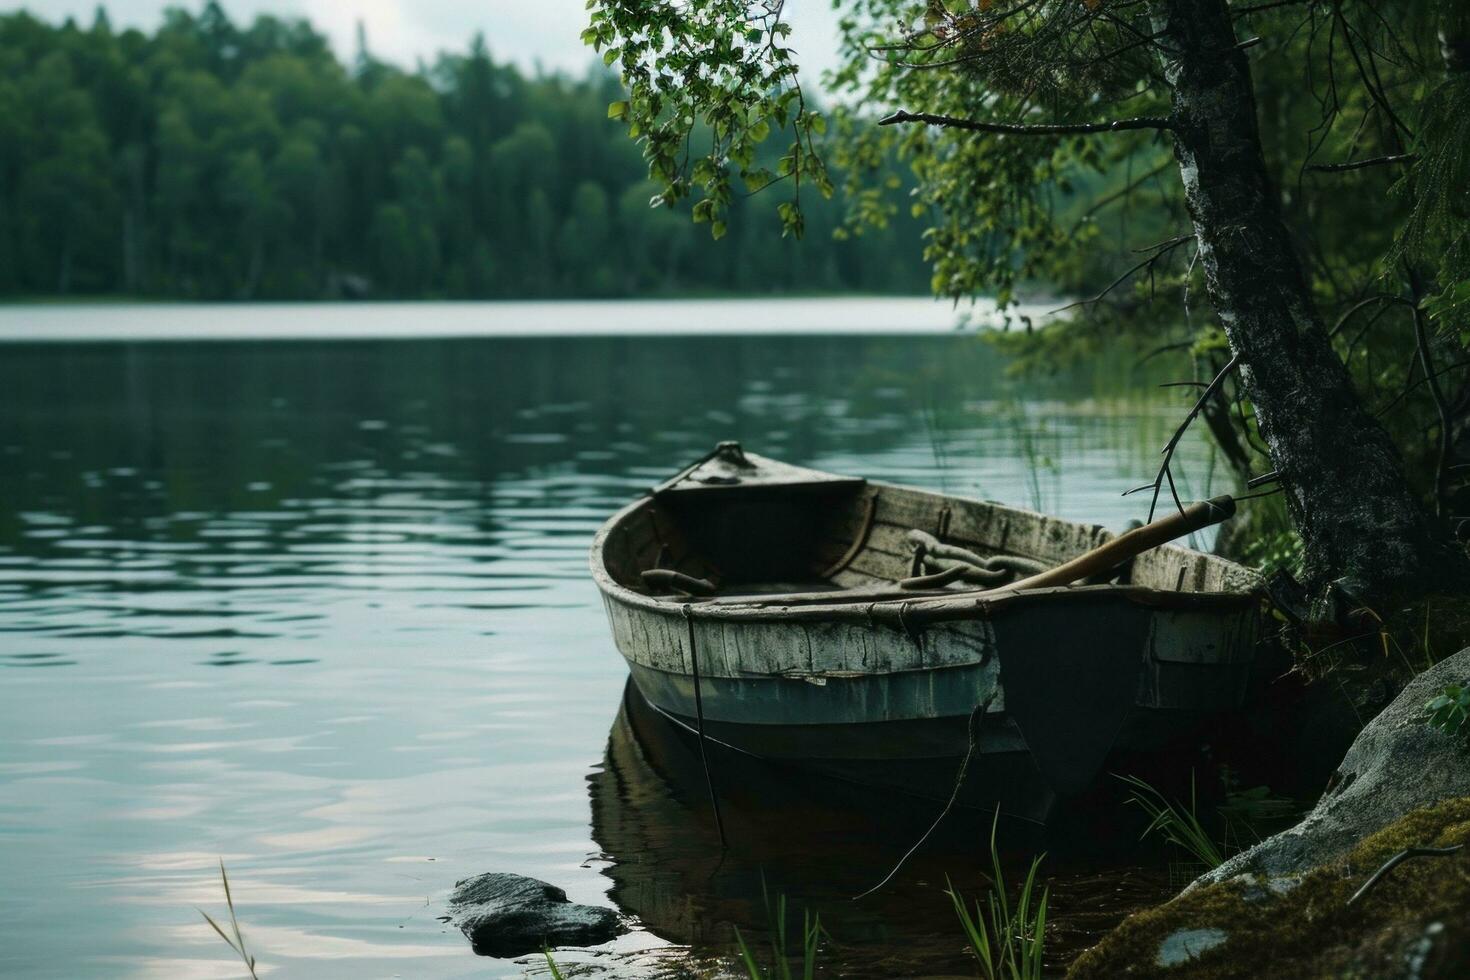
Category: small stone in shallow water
[509,915]
[1183,945]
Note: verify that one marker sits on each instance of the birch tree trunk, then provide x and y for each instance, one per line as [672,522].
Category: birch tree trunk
[1362,523]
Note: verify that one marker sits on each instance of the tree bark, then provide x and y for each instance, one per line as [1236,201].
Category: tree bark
[1362,523]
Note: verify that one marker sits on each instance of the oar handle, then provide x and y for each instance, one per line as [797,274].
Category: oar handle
[1193,518]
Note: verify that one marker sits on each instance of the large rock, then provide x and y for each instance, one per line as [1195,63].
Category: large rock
[510,915]
[1413,925]
[1396,765]
[1282,908]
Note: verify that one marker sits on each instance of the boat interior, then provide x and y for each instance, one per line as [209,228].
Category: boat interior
[737,527]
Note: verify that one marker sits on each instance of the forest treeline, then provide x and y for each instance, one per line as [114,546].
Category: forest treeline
[210,160]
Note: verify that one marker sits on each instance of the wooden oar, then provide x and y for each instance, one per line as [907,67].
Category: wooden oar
[1193,518]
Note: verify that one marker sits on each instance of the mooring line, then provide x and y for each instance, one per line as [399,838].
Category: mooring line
[978,712]
[699,719]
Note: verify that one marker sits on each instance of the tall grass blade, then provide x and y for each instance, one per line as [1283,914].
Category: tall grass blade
[752,969]
[1176,823]
[1008,941]
[780,966]
[811,927]
[238,943]
[217,929]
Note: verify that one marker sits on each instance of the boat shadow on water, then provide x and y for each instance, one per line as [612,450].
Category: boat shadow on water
[820,841]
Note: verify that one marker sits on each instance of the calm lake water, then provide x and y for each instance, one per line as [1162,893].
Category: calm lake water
[321,608]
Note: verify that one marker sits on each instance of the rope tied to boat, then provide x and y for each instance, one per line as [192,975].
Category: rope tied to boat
[977,712]
[903,608]
[709,781]
[948,562]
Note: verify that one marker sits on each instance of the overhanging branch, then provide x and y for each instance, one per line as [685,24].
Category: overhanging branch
[1018,129]
[1336,168]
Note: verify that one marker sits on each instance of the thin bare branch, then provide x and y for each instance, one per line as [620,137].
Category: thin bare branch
[1173,443]
[1441,469]
[1262,480]
[1034,129]
[1337,168]
[1410,388]
[1159,251]
[1398,859]
[1259,7]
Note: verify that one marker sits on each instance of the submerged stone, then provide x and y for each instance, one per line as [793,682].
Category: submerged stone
[1183,945]
[510,915]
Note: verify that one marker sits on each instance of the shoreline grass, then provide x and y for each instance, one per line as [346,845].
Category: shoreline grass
[1008,941]
[238,943]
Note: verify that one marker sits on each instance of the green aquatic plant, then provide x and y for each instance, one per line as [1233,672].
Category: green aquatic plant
[1449,710]
[780,957]
[1175,822]
[238,943]
[780,964]
[1254,813]
[1008,940]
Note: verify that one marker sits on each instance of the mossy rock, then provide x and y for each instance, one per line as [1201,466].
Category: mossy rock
[1396,765]
[1414,923]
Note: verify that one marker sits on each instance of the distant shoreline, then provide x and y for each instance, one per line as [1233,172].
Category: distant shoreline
[138,321]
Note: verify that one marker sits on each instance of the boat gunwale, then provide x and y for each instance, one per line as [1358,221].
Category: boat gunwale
[922,608]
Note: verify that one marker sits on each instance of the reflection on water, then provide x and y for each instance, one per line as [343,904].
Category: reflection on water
[822,843]
[385,544]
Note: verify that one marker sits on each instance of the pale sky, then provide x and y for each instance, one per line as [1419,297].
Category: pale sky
[402,31]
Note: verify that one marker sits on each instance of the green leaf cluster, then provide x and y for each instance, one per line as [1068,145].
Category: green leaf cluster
[1449,710]
[708,85]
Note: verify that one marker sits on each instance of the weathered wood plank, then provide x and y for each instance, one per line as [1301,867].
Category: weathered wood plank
[889,568]
[852,578]
[1193,637]
[776,647]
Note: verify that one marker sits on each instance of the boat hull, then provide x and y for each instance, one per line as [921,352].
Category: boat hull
[1081,682]
[999,773]
[1045,683]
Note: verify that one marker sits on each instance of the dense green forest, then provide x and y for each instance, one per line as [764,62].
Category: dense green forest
[215,161]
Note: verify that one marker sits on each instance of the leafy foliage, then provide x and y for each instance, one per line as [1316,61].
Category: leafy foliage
[723,67]
[1436,189]
[1449,710]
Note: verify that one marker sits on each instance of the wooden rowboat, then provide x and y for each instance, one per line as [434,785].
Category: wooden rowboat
[784,612]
